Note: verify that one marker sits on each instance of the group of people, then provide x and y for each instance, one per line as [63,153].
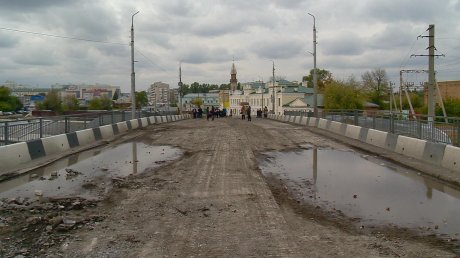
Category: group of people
[209,112]
[246,112]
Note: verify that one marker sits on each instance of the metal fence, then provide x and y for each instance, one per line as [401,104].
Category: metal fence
[441,130]
[29,129]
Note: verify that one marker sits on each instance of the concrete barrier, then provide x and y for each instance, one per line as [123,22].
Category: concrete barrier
[377,138]
[434,153]
[107,131]
[122,127]
[353,131]
[292,119]
[55,144]
[297,119]
[323,123]
[14,154]
[144,122]
[164,119]
[313,122]
[134,124]
[86,137]
[410,147]
[337,127]
[304,120]
[451,159]
[286,118]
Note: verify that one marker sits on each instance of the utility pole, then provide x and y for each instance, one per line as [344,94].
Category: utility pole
[133,75]
[431,72]
[315,77]
[273,89]
[180,87]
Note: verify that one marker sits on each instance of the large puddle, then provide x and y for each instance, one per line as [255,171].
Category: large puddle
[374,191]
[86,173]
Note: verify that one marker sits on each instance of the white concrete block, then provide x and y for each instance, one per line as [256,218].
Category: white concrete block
[377,138]
[313,121]
[55,144]
[337,127]
[144,122]
[304,120]
[13,155]
[353,131]
[411,147]
[451,159]
[134,124]
[85,137]
[106,131]
[122,127]
[164,119]
[322,123]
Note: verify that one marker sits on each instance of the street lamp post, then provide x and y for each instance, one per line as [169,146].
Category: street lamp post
[315,79]
[133,75]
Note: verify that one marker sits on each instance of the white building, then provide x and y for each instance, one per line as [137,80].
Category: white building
[158,94]
[283,96]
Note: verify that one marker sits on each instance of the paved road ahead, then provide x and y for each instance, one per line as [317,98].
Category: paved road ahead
[214,202]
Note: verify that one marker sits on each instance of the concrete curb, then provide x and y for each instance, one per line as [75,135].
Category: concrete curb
[17,154]
[445,156]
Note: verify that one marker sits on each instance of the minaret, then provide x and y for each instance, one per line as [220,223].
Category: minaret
[233,80]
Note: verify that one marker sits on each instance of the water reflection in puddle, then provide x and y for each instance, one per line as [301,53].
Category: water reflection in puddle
[84,173]
[365,187]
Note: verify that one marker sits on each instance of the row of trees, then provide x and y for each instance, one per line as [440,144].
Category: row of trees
[203,88]
[53,102]
[8,102]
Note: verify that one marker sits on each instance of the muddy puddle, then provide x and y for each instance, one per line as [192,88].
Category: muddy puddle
[367,189]
[88,173]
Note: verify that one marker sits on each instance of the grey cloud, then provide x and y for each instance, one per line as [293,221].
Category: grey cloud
[7,40]
[32,5]
[279,48]
[203,54]
[346,44]
[35,56]
[394,35]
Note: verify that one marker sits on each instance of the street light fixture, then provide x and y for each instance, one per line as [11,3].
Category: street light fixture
[315,79]
[133,75]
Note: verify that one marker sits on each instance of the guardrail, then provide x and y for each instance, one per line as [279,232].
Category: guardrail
[34,128]
[441,130]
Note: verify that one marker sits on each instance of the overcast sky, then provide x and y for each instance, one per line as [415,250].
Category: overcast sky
[354,36]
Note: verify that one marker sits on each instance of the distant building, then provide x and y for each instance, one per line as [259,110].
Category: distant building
[174,96]
[208,100]
[448,89]
[233,80]
[279,97]
[158,94]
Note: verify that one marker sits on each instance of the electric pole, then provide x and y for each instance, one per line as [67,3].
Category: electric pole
[180,87]
[431,72]
[273,89]
[315,79]
[133,75]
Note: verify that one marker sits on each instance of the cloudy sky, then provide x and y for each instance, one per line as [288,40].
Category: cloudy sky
[205,35]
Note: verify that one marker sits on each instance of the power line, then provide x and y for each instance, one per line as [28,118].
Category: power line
[61,37]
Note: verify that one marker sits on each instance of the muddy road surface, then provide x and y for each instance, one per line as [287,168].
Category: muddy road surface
[213,201]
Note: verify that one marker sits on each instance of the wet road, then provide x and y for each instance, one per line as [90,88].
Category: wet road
[368,188]
[212,200]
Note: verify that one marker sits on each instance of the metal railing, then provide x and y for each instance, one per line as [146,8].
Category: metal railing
[34,128]
[441,130]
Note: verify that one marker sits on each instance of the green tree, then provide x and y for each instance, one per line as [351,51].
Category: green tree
[106,103]
[70,103]
[343,95]
[197,102]
[323,76]
[8,102]
[52,102]
[375,85]
[95,104]
[141,99]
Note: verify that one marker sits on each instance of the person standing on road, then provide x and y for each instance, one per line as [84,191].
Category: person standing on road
[248,110]
[243,112]
[213,110]
[207,113]
[265,112]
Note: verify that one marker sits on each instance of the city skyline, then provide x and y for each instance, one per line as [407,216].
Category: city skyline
[47,42]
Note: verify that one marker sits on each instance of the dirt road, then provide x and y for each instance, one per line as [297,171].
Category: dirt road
[214,202]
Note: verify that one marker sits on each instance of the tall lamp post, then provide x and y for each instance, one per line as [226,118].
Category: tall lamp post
[133,75]
[315,79]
